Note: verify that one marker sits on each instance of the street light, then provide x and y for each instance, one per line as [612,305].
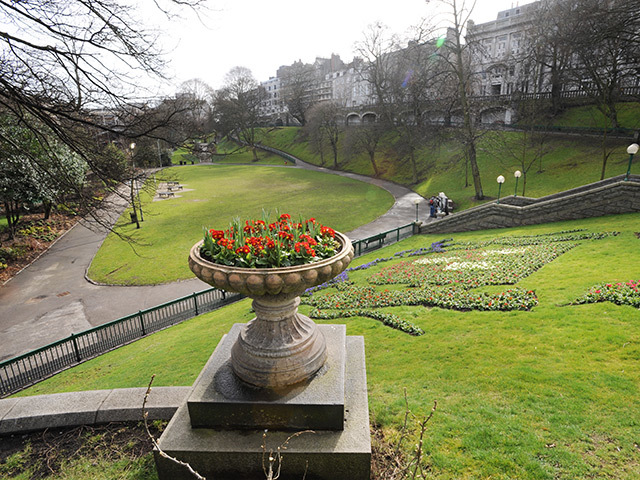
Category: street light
[134,190]
[500,181]
[416,202]
[516,174]
[631,150]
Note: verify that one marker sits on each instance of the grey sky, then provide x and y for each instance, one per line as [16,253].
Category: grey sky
[262,35]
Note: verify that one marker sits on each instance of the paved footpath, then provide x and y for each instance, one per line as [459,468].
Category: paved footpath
[51,298]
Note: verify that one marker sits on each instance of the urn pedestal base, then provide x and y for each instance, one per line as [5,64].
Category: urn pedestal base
[219,430]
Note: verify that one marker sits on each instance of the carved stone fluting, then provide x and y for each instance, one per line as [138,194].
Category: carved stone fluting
[280,346]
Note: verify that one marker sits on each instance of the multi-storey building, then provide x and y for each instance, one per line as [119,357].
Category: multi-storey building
[500,54]
[273,106]
[505,56]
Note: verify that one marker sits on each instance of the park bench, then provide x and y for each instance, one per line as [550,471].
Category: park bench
[165,194]
[171,188]
[173,182]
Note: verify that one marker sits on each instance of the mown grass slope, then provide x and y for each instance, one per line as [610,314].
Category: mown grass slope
[549,393]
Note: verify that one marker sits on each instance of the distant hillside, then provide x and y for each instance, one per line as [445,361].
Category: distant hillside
[568,160]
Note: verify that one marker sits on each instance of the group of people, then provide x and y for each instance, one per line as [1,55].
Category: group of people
[438,205]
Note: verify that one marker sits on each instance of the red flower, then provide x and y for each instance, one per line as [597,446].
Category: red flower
[328,231]
[216,234]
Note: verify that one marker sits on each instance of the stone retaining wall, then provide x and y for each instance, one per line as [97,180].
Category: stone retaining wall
[607,197]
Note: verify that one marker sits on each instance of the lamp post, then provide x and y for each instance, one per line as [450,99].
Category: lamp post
[134,215]
[516,174]
[416,202]
[500,181]
[631,150]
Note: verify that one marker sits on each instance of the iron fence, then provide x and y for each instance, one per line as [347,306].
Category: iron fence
[366,245]
[25,370]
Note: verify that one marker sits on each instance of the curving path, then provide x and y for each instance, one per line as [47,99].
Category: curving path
[51,298]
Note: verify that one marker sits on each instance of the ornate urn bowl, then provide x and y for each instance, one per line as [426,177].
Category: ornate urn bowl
[280,346]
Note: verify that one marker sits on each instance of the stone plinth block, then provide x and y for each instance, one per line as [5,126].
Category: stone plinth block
[224,454]
[221,400]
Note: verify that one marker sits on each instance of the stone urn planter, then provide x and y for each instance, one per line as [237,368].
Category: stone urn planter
[280,346]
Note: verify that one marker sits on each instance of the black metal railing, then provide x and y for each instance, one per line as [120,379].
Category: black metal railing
[25,370]
[366,245]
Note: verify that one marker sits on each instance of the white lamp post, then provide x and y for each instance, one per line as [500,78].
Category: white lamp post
[516,174]
[631,150]
[500,181]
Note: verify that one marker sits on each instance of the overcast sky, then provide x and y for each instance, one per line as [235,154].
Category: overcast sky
[263,35]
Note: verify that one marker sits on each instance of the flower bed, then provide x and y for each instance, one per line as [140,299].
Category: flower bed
[620,293]
[458,298]
[445,275]
[472,268]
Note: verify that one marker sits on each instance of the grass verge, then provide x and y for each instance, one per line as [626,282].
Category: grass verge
[212,197]
[549,393]
[570,161]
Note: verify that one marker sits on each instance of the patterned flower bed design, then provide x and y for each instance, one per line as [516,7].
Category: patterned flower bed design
[627,293]
[445,276]
[472,268]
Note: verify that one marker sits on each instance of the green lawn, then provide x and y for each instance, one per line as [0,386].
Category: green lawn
[571,161]
[183,154]
[230,152]
[590,116]
[212,197]
[550,393]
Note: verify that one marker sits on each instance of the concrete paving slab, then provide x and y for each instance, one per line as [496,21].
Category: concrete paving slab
[125,404]
[55,410]
[6,405]
[25,414]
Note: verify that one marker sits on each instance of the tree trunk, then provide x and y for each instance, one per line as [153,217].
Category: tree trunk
[47,209]
[13,215]
[414,167]
[372,157]
[475,171]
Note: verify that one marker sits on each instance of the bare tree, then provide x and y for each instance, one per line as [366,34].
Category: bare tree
[298,81]
[457,58]
[323,123]
[237,106]
[365,138]
[69,65]
[526,146]
[402,83]
[549,41]
[593,46]
[200,96]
